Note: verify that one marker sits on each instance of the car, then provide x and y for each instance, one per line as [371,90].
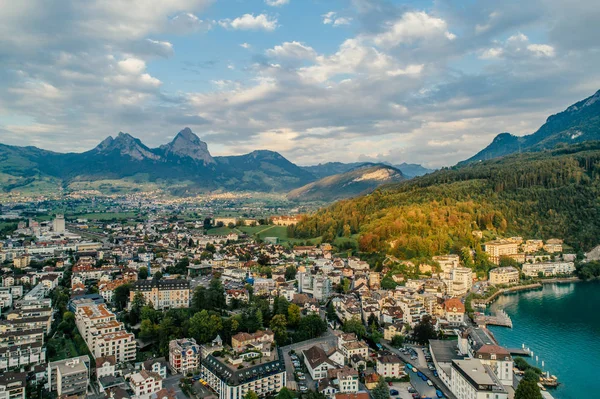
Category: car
[439,394]
[411,390]
[435,373]
[391,383]
[301,378]
[394,392]
[429,383]
[414,370]
[410,366]
[303,388]
[416,395]
[420,374]
[424,378]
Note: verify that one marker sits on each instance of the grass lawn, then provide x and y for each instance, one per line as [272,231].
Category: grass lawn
[66,348]
[262,232]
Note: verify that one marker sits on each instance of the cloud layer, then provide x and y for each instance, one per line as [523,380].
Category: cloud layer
[431,86]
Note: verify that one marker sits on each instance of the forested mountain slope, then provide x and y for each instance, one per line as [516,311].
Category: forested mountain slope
[554,193]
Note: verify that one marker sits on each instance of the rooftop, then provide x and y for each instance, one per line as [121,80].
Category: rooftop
[478,374]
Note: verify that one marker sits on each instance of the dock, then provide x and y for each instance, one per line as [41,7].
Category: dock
[519,352]
[499,319]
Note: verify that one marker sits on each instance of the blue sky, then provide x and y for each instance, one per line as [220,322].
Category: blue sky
[428,82]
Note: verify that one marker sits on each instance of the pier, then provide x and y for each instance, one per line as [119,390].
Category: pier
[499,319]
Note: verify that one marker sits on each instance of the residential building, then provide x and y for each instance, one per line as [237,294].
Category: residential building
[317,362]
[163,294]
[499,248]
[471,379]
[460,281]
[454,312]
[20,356]
[391,330]
[548,268]
[236,295]
[69,376]
[13,385]
[260,338]
[553,245]
[350,345]
[104,335]
[144,383]
[504,275]
[184,355]
[389,365]
[232,377]
[499,360]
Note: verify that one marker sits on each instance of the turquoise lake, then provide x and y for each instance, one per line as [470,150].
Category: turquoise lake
[561,324]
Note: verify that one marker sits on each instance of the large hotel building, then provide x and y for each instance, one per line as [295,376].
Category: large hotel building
[164,294]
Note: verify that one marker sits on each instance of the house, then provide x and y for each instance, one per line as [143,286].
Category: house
[145,383]
[236,295]
[391,330]
[371,380]
[317,362]
[105,366]
[184,355]
[454,312]
[389,365]
[158,366]
[260,338]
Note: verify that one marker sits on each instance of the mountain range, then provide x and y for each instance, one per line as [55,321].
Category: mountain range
[361,180]
[182,167]
[578,123]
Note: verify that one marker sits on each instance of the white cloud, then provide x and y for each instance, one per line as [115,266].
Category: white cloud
[412,27]
[187,22]
[251,22]
[492,53]
[276,3]
[331,18]
[245,45]
[292,50]
[541,50]
[132,66]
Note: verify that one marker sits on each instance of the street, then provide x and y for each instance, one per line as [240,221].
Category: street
[438,383]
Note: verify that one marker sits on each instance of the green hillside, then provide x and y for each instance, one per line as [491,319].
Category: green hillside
[554,193]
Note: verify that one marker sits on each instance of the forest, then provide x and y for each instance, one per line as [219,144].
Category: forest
[546,194]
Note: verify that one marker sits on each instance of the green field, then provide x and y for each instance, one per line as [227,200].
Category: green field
[262,232]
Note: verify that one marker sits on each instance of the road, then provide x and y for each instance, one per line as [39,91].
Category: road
[438,383]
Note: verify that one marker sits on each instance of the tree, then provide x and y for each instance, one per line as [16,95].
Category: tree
[293,315]
[143,273]
[424,330]
[157,276]
[204,327]
[137,304]
[331,315]
[381,391]
[310,327]
[355,325]
[279,327]
[285,393]
[147,330]
[290,273]
[121,296]
[397,341]
[528,389]
[280,306]
[250,395]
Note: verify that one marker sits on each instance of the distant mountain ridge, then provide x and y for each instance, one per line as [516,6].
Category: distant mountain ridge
[361,180]
[578,123]
[321,170]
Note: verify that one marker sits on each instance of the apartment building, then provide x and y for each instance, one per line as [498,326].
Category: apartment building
[232,378]
[184,355]
[388,365]
[349,345]
[454,312]
[499,360]
[319,286]
[504,275]
[548,268]
[499,248]
[472,379]
[259,339]
[19,356]
[459,282]
[553,245]
[103,334]
[13,385]
[69,376]
[164,294]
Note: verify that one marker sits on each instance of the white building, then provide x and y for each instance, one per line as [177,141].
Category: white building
[184,355]
[69,376]
[471,379]
[548,268]
[58,224]
[144,383]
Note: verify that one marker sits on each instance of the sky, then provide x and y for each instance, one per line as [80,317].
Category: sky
[429,82]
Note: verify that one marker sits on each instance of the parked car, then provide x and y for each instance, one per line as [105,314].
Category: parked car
[429,383]
[394,392]
[411,390]
[391,383]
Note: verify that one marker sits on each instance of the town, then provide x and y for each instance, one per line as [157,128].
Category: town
[158,307]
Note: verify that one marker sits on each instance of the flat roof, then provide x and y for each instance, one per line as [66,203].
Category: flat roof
[444,351]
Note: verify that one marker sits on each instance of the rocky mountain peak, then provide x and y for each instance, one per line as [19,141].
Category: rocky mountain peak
[187,144]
